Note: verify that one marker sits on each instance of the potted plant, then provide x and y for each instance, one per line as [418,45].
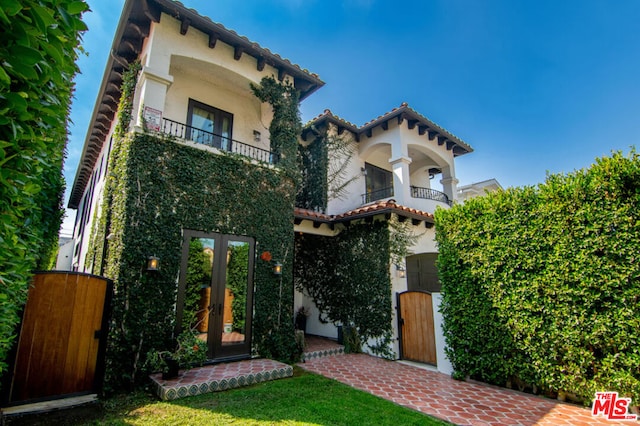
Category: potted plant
[301,318]
[190,352]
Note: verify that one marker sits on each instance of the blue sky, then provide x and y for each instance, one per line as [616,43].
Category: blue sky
[533,86]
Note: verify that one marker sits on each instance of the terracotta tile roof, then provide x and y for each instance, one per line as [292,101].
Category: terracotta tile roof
[404,112]
[133,28]
[373,209]
[216,25]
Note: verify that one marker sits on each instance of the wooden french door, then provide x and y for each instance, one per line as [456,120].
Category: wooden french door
[417,331]
[215,292]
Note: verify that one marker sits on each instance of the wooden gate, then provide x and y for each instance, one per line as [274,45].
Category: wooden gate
[62,338]
[415,322]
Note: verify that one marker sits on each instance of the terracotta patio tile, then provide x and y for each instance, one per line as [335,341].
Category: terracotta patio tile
[433,393]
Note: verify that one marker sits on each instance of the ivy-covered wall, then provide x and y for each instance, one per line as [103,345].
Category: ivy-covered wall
[313,165]
[347,276]
[158,187]
[541,286]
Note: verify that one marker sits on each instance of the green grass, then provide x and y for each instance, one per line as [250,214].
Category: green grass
[305,399]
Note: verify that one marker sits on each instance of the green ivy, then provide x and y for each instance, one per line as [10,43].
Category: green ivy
[347,276]
[160,187]
[541,285]
[313,166]
[39,48]
[285,126]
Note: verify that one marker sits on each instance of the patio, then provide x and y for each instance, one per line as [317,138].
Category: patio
[438,395]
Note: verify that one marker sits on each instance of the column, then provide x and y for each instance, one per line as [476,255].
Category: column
[449,183]
[401,181]
[150,97]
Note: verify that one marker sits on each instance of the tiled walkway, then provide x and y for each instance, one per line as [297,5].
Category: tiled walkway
[436,394]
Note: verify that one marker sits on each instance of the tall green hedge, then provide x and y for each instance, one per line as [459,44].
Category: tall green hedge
[37,66]
[541,286]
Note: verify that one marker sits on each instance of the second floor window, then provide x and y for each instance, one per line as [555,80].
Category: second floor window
[379,183]
[209,126]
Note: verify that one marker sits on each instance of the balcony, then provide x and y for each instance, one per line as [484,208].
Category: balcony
[430,194]
[376,195]
[416,192]
[221,142]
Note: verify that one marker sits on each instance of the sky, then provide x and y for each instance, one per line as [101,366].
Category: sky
[535,87]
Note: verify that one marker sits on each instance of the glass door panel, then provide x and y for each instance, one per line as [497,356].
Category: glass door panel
[203,126]
[197,293]
[215,294]
[235,294]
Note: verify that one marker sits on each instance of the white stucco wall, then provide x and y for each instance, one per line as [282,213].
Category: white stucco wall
[65,256]
[94,190]
[178,67]
[409,156]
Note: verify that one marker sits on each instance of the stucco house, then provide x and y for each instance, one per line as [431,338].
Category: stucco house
[402,167]
[179,167]
[477,189]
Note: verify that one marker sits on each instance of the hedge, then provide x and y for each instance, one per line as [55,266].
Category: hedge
[38,50]
[541,284]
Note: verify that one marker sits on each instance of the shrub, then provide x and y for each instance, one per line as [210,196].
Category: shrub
[38,51]
[541,285]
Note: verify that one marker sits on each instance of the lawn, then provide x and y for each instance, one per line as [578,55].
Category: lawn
[304,399]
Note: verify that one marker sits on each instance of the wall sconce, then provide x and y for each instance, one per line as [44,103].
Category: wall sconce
[400,271]
[153,264]
[363,171]
[277,268]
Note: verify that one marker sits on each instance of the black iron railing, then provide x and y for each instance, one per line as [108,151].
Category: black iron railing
[220,142]
[429,194]
[378,194]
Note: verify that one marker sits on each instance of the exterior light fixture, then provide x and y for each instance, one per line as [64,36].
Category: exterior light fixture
[153,264]
[277,268]
[400,271]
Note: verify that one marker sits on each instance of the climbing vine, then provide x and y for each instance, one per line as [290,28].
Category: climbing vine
[285,126]
[324,166]
[347,276]
[312,163]
[161,187]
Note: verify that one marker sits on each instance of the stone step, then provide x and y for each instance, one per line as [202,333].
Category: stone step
[319,347]
[219,377]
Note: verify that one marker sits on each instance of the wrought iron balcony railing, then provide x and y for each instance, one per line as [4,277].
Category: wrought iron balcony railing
[223,143]
[378,194]
[429,194]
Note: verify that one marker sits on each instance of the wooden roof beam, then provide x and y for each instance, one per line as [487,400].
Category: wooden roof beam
[184,25]
[237,52]
[213,39]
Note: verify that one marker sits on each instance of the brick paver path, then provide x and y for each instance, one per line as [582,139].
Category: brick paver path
[436,394]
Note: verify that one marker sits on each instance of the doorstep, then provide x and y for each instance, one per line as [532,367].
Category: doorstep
[219,377]
[319,347]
